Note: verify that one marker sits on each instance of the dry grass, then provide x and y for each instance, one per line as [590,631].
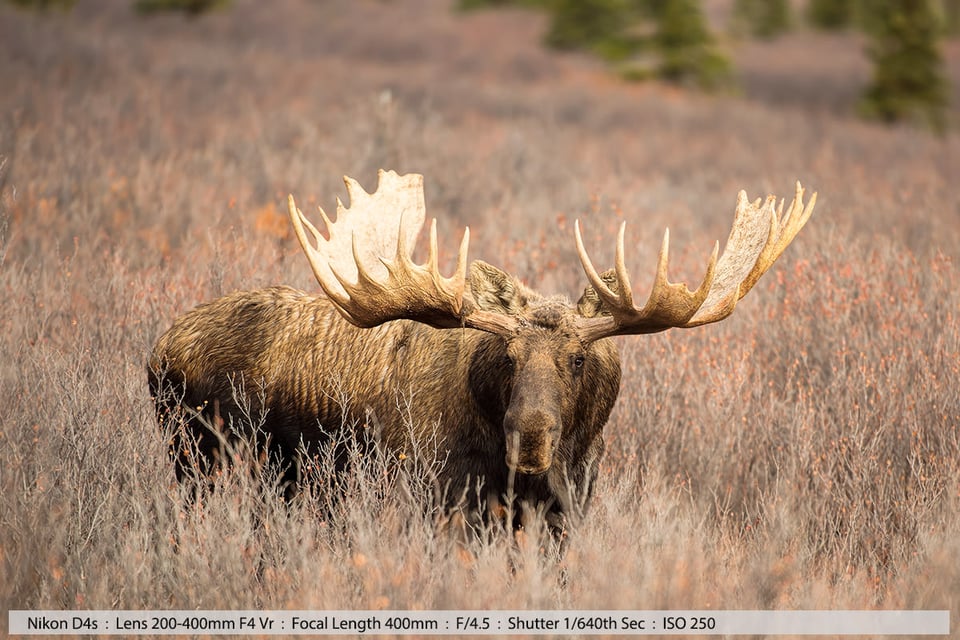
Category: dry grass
[804,454]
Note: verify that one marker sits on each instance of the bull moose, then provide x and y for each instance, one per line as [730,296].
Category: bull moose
[514,387]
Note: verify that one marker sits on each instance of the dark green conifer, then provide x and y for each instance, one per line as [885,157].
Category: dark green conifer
[43,5]
[908,78]
[600,26]
[687,48]
[191,7]
[762,18]
[831,14]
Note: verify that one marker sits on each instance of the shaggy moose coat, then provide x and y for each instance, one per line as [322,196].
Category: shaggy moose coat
[287,362]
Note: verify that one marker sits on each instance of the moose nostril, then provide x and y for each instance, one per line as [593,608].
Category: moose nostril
[533,471]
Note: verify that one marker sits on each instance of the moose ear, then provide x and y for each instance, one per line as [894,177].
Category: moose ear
[589,305]
[497,291]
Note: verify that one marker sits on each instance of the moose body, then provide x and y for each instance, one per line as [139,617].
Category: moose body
[511,389]
[447,392]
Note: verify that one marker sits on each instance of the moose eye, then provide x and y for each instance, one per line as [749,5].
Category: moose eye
[577,362]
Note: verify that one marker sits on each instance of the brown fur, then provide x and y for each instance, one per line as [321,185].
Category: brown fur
[535,402]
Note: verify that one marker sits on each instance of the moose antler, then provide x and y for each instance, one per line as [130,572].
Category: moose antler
[367,288]
[759,236]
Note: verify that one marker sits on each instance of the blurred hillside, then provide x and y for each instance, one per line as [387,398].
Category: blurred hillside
[169,123]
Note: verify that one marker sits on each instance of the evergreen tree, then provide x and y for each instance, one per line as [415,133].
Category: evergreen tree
[191,7]
[687,49]
[762,18]
[43,5]
[831,14]
[600,26]
[908,77]
[950,10]
[469,5]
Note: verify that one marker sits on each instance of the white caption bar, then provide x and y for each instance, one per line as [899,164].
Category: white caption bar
[479,623]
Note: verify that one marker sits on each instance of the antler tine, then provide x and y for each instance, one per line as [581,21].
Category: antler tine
[606,295]
[461,273]
[320,270]
[365,286]
[459,277]
[432,258]
[759,236]
[626,291]
[317,236]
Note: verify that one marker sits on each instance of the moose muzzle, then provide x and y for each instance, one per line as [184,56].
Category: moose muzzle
[532,436]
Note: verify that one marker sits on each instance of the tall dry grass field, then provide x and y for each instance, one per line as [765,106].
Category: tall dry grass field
[803,454]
